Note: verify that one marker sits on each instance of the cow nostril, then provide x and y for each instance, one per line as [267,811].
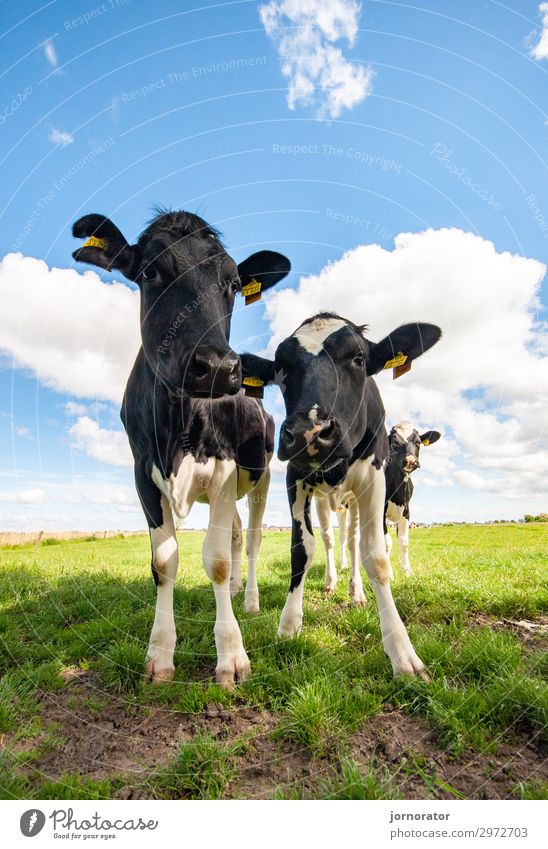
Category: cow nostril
[200,367]
[327,430]
[288,436]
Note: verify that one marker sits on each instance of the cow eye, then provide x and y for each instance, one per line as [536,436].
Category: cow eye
[235,284]
[149,273]
[358,361]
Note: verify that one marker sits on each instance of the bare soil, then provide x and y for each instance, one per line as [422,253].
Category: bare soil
[126,741]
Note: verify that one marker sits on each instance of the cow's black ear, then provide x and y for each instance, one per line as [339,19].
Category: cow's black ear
[259,367]
[265,267]
[430,436]
[105,246]
[402,346]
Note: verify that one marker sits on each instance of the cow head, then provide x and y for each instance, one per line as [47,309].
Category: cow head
[188,284]
[323,370]
[404,444]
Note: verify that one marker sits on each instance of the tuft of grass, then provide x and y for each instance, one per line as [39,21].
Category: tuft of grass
[352,782]
[202,769]
[71,786]
[121,666]
[532,790]
[320,713]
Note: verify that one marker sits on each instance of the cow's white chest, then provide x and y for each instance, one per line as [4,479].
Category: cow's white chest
[198,482]
[191,483]
[394,512]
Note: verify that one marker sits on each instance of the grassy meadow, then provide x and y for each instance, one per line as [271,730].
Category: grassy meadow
[321,715]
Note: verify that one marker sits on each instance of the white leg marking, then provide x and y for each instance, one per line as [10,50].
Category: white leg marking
[323,509]
[396,642]
[341,516]
[236,584]
[257,505]
[165,558]
[232,660]
[403,540]
[291,619]
[357,595]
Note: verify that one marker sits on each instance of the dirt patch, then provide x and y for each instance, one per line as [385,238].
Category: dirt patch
[407,748]
[101,736]
[534,634]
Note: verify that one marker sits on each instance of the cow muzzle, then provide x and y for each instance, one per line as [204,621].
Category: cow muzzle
[411,463]
[309,443]
[211,374]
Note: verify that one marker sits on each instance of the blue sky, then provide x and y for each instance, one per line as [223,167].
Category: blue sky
[420,119]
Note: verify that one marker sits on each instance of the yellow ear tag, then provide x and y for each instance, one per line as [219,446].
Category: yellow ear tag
[426,442]
[94,242]
[252,291]
[397,361]
[253,386]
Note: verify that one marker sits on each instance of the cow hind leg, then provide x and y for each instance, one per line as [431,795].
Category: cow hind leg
[395,638]
[236,585]
[357,595]
[257,505]
[403,542]
[165,560]
[323,509]
[232,660]
[342,519]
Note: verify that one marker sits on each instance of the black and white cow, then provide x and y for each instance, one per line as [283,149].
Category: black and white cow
[404,443]
[194,435]
[334,438]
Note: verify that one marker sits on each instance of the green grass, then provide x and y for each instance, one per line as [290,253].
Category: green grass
[90,604]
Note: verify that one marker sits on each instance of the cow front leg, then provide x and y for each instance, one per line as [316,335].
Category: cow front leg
[165,560]
[302,554]
[357,595]
[236,584]
[395,638]
[323,509]
[257,504]
[403,542]
[232,660]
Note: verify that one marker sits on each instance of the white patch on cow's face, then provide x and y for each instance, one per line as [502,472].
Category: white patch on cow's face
[311,336]
[313,413]
[404,429]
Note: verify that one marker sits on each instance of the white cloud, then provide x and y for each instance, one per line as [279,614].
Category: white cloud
[22,496]
[60,137]
[77,334]
[484,385]
[304,32]
[51,54]
[540,50]
[107,446]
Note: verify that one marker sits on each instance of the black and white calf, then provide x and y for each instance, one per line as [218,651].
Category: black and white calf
[335,439]
[194,435]
[404,444]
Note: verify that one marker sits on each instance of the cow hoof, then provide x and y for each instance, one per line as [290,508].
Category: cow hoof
[251,604]
[235,590]
[289,628]
[329,590]
[358,601]
[410,665]
[158,676]
[344,567]
[238,670]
